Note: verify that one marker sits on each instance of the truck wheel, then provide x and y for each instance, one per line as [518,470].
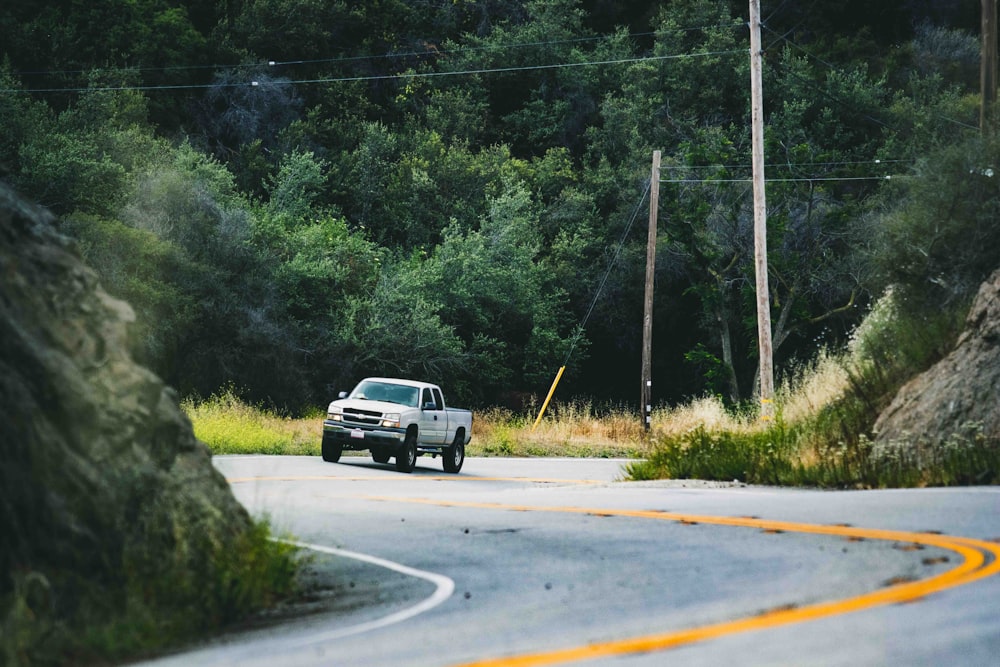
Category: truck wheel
[454,456]
[331,450]
[381,455]
[406,456]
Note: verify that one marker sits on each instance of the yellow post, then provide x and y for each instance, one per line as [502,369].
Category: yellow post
[548,398]
[766,409]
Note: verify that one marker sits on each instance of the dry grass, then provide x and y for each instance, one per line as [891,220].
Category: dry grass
[707,412]
[814,387]
[573,428]
[567,429]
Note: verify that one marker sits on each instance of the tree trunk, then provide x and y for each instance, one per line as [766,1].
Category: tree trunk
[726,338]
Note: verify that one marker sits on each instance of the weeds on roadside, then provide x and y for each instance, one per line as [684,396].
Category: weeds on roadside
[573,428]
[823,434]
[160,602]
[228,425]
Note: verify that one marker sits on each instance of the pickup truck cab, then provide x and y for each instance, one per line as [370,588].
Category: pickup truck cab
[397,418]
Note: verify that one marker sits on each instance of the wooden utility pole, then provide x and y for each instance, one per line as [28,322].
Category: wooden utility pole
[988,66]
[647,319]
[760,218]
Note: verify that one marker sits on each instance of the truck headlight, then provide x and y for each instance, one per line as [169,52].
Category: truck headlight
[335,413]
[390,420]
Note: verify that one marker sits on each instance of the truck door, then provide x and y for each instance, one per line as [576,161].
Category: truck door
[447,428]
[433,420]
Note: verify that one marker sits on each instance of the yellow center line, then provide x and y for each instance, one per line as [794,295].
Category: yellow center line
[974,566]
[409,478]
[979,559]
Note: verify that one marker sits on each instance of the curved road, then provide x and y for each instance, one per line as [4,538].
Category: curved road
[558,562]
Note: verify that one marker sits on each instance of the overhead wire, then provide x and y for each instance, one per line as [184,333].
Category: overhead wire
[607,273]
[834,68]
[804,179]
[793,167]
[369,77]
[434,51]
[829,163]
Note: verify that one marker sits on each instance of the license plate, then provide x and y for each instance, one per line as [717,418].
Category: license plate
[357,433]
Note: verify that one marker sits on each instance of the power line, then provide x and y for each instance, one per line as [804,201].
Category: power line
[790,165]
[432,49]
[607,273]
[374,77]
[814,179]
[834,68]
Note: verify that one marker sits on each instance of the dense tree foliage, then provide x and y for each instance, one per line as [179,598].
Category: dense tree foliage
[294,193]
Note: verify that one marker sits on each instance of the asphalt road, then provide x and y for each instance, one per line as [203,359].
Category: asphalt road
[557,561]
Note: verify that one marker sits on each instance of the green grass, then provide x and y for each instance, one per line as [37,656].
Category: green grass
[822,435]
[760,457]
[780,455]
[820,438]
[166,609]
[228,425]
[162,601]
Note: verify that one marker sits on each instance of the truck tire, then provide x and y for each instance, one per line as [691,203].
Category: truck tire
[406,455]
[453,457]
[331,450]
[381,455]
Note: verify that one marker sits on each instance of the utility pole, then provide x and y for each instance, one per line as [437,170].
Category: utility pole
[988,66]
[647,320]
[760,218]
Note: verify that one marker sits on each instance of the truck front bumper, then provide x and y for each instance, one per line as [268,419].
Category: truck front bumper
[355,437]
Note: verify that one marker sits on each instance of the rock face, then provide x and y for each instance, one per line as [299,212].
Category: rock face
[960,395]
[102,479]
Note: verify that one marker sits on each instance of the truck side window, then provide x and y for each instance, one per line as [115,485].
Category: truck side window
[426,398]
[438,400]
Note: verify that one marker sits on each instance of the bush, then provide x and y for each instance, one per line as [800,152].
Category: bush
[826,412]
[758,457]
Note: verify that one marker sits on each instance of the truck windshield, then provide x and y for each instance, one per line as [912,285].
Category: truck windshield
[388,392]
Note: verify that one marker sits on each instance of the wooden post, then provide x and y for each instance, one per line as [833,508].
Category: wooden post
[647,320]
[988,66]
[760,218]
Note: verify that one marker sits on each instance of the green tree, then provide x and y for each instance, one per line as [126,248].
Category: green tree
[937,237]
[396,329]
[491,284]
[85,157]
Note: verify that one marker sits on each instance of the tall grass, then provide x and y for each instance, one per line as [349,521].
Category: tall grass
[574,428]
[822,434]
[228,425]
[825,414]
[168,608]
[160,601]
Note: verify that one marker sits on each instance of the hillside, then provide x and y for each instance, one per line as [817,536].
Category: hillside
[118,534]
[292,195]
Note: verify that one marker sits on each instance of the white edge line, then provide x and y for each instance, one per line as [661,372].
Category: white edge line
[445,587]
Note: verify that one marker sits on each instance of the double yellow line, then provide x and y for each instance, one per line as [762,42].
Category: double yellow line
[979,559]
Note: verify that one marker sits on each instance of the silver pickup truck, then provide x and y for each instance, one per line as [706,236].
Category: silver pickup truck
[397,418]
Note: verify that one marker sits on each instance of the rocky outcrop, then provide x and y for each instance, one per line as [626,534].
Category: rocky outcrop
[958,398]
[102,480]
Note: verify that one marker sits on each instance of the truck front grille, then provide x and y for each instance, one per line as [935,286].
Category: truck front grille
[366,417]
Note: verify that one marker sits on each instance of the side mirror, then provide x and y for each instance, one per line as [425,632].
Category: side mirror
[430,405]
[342,394]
